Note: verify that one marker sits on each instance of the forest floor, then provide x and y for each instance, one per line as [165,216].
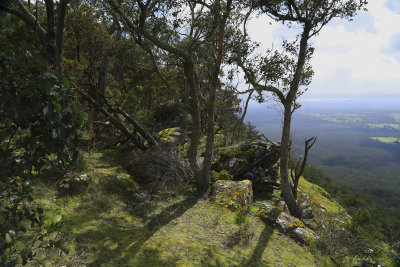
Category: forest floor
[106,226]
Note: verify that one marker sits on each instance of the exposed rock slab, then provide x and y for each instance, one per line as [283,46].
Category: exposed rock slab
[285,222]
[237,195]
[304,235]
[275,211]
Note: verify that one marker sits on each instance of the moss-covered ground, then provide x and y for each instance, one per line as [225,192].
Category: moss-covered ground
[107,226]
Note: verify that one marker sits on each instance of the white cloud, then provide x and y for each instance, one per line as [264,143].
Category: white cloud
[351,59]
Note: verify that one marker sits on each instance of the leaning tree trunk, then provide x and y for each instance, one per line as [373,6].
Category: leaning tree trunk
[290,200]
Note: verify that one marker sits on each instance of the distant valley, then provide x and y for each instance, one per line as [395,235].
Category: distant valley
[358,141]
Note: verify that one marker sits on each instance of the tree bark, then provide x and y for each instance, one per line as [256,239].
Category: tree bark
[206,172]
[184,121]
[288,196]
[195,112]
[290,199]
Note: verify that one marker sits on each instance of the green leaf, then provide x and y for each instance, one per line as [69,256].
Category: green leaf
[85,116]
[65,82]
[8,238]
[58,106]
[65,250]
[15,262]
[57,218]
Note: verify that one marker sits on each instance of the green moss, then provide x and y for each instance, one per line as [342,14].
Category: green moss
[167,133]
[222,175]
[228,152]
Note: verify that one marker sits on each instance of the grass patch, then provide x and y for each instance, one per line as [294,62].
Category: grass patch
[107,226]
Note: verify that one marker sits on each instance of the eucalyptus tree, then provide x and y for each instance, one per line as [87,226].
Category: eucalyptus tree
[192,31]
[50,36]
[287,74]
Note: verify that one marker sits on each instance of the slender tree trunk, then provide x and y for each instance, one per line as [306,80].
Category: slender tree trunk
[184,121]
[206,172]
[290,200]
[196,127]
[60,34]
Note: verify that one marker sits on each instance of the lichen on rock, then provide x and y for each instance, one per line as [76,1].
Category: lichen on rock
[304,235]
[237,195]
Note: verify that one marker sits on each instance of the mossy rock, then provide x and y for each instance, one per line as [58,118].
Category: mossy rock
[268,211]
[169,135]
[285,222]
[304,235]
[236,195]
[255,161]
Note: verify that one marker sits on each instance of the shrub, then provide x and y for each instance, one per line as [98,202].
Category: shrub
[222,175]
[40,126]
[160,170]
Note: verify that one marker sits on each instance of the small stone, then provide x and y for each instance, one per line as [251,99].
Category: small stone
[321,207]
[268,211]
[307,213]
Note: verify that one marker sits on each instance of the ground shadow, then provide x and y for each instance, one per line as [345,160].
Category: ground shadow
[256,257]
[119,244]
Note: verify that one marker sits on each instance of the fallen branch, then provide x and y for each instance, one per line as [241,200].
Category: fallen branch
[133,137]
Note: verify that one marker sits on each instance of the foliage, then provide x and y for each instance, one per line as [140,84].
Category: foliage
[39,126]
[368,216]
[222,175]
[22,222]
[341,238]
[40,118]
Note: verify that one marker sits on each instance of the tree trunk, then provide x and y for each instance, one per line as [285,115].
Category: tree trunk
[196,127]
[288,196]
[60,34]
[206,172]
[184,121]
[290,199]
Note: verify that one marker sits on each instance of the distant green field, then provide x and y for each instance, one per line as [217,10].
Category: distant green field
[386,140]
[341,117]
[395,116]
[384,125]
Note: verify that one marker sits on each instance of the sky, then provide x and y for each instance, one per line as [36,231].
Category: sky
[352,59]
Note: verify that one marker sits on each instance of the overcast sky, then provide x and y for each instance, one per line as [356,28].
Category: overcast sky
[352,59]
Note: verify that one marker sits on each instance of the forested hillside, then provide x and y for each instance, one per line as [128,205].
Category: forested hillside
[123,139]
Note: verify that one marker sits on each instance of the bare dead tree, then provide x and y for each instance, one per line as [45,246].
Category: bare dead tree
[297,172]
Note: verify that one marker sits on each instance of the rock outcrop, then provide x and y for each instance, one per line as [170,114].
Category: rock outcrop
[255,161]
[275,211]
[237,195]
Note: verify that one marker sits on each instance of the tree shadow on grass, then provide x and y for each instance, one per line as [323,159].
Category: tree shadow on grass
[255,259]
[117,241]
